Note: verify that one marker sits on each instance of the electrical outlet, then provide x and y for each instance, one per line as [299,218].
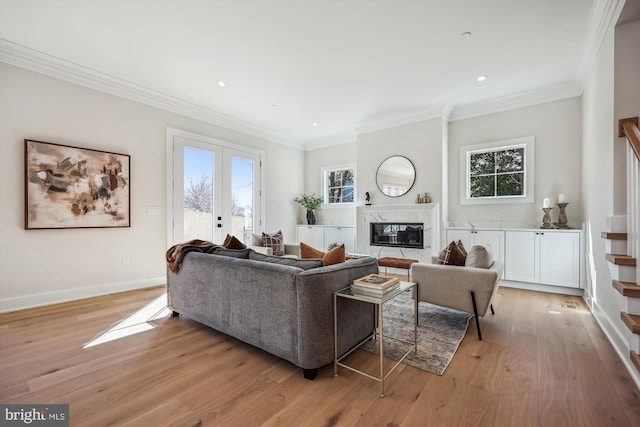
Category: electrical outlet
[126,260]
[496,216]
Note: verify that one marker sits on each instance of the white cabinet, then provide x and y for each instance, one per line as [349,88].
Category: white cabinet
[312,235]
[321,236]
[548,257]
[469,238]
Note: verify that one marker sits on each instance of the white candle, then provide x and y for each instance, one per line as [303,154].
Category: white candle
[562,198]
[546,203]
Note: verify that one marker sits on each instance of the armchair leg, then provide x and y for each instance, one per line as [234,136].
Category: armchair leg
[475,312]
[492,312]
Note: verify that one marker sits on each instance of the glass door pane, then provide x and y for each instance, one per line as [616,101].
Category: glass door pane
[198,194]
[242,200]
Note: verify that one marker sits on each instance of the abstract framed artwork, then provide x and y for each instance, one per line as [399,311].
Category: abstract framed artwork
[72,187]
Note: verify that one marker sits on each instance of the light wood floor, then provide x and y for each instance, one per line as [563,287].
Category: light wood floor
[543,362]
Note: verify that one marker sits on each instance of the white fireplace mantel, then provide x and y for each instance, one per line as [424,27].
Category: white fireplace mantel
[426,213]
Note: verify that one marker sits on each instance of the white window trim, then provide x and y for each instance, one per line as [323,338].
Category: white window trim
[529,167]
[323,175]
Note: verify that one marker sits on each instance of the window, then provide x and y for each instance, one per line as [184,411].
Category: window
[339,185]
[498,172]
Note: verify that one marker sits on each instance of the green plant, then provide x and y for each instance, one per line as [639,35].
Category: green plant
[309,201]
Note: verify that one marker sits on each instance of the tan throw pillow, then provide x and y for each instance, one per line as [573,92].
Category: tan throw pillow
[334,256]
[307,252]
[256,239]
[479,256]
[452,255]
[274,241]
[231,242]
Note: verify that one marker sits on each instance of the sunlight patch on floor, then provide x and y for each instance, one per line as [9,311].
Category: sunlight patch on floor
[136,323]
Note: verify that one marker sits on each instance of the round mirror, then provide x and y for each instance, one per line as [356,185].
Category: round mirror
[396,176]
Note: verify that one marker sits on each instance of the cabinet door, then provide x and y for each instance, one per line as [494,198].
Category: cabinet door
[339,235]
[312,236]
[463,235]
[493,239]
[521,259]
[560,259]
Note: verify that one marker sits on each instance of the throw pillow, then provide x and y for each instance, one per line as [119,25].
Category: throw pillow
[334,256]
[231,242]
[461,246]
[452,255]
[256,239]
[480,257]
[274,241]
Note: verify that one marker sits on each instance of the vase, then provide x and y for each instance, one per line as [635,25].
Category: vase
[311,217]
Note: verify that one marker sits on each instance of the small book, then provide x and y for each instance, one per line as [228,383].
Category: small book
[375,281]
[356,289]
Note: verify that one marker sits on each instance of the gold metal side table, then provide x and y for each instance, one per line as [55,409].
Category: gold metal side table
[378,331]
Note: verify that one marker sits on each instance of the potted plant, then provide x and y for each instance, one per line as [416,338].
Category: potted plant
[310,203]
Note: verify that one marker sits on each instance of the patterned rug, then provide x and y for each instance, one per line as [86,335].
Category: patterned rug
[440,331]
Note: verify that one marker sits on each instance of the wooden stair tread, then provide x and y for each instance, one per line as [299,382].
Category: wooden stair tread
[619,259]
[635,358]
[613,236]
[632,321]
[627,289]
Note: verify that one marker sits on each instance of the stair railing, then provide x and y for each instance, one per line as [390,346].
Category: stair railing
[629,128]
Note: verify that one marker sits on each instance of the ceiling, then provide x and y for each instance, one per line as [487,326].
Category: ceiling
[347,66]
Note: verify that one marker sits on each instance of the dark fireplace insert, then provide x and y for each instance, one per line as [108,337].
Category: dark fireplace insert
[397,234]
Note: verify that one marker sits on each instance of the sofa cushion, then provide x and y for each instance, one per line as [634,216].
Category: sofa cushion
[274,241]
[334,256]
[231,242]
[452,255]
[479,256]
[304,264]
[234,253]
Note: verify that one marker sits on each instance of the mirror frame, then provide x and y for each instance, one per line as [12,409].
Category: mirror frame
[409,187]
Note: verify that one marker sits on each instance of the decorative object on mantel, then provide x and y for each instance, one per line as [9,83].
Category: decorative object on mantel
[367,198]
[423,199]
[310,203]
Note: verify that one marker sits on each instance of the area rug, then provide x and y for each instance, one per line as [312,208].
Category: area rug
[440,331]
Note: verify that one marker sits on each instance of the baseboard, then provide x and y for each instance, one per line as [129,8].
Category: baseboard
[542,288]
[48,298]
[617,340]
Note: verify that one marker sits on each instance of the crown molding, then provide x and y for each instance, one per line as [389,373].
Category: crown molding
[331,140]
[519,100]
[23,57]
[603,17]
[432,112]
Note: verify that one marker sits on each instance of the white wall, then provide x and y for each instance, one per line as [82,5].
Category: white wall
[558,137]
[419,142]
[627,100]
[314,162]
[45,266]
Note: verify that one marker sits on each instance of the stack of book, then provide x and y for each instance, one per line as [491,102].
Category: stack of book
[374,285]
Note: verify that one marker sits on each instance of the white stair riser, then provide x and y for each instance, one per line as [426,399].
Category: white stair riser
[616,246]
[623,273]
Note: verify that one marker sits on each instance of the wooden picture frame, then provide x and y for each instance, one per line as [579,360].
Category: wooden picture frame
[73,187]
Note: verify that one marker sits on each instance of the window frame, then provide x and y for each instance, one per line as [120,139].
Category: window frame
[527,143]
[325,184]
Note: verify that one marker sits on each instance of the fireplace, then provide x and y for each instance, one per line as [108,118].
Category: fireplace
[397,234]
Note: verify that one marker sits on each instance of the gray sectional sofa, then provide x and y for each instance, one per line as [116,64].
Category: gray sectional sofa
[281,305]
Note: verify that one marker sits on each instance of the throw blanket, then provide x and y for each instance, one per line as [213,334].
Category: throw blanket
[176,253]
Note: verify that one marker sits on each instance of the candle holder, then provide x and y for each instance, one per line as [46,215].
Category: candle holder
[546,219]
[562,216]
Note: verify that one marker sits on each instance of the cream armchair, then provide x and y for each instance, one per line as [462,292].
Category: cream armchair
[467,289]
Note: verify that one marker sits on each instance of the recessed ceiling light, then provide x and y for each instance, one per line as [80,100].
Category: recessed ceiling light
[481,78]
[315,124]
[274,105]
[221,83]
[466,34]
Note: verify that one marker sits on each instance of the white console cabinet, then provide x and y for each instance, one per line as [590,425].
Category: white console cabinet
[321,236]
[548,257]
[471,237]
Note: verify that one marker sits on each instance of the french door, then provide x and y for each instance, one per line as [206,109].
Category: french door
[216,189]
